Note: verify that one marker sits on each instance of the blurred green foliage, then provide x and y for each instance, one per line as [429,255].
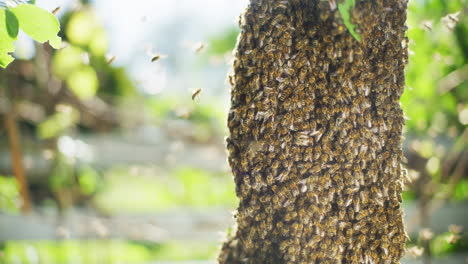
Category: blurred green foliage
[436,51]
[461,190]
[83,82]
[103,251]
[152,189]
[88,180]
[84,29]
[67,60]
[62,173]
[58,123]
[9,194]
[208,118]
[436,97]
[76,64]
[223,42]
[447,243]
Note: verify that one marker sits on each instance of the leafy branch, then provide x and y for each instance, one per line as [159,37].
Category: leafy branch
[39,24]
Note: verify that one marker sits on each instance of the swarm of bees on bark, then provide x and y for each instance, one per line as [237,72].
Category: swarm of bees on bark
[315,133]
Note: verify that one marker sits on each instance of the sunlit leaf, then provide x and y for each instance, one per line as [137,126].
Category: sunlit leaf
[11,24]
[39,24]
[7,36]
[5,59]
[83,82]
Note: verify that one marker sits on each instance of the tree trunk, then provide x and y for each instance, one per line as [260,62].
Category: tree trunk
[315,133]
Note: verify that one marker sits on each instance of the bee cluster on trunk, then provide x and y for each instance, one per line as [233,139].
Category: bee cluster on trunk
[315,133]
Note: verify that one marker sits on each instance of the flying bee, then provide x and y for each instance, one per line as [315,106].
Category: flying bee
[451,20]
[196,93]
[199,47]
[56,10]
[157,57]
[111,59]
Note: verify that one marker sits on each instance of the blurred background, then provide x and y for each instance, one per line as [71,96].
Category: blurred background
[122,166]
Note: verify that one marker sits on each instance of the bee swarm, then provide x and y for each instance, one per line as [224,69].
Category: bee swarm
[315,133]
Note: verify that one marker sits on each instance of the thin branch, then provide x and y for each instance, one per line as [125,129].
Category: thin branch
[15,151]
[16,158]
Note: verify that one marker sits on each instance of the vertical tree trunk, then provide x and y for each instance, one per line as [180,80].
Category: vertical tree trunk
[315,133]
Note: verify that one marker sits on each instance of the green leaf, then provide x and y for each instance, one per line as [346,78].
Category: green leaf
[345,9]
[7,36]
[39,24]
[11,24]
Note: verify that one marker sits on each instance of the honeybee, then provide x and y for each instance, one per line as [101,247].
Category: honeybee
[270,179]
[111,59]
[289,71]
[56,10]
[199,47]
[157,57]
[451,20]
[196,93]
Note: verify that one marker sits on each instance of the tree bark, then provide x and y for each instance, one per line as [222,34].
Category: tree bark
[315,133]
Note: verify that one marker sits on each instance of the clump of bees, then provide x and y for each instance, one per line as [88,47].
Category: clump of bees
[315,134]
